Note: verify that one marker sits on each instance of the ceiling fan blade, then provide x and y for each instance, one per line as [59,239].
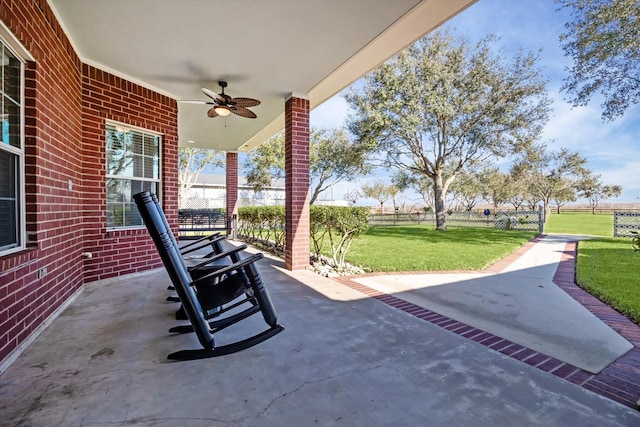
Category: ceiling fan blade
[194,101]
[243,112]
[211,94]
[245,102]
[212,112]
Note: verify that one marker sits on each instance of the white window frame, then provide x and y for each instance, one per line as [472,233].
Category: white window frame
[17,49]
[158,181]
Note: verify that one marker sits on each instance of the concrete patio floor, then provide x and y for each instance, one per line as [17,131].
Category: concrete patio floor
[345,358]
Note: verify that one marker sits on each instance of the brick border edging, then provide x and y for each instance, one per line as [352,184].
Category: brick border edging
[620,381]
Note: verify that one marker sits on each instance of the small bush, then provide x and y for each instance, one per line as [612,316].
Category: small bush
[335,224]
[338,225]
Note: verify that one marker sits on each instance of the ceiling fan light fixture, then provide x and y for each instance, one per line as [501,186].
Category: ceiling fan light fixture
[222,111]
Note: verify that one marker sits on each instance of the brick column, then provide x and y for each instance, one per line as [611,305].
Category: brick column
[297,183]
[232,190]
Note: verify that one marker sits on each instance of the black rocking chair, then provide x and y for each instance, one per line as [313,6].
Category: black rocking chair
[213,293]
[200,265]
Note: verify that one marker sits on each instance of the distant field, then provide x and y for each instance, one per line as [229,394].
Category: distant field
[580,223]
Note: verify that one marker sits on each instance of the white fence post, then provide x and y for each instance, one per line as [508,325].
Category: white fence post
[540,220]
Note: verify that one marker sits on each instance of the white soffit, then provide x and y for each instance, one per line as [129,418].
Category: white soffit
[264,49]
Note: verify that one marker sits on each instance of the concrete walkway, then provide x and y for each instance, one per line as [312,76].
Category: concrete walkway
[344,359]
[519,302]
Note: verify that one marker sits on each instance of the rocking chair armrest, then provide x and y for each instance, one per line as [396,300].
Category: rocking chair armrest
[218,257]
[200,240]
[233,267]
[202,244]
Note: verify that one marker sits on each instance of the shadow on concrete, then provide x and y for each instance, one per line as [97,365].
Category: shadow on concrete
[342,360]
[524,306]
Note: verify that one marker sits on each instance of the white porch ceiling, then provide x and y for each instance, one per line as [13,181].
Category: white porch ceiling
[264,49]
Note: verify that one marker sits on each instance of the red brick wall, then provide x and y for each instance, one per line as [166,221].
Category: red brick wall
[52,158]
[66,107]
[297,183]
[108,97]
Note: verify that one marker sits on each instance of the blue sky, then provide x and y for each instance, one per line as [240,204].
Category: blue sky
[611,148]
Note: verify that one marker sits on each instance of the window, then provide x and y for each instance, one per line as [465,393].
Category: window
[133,165]
[12,218]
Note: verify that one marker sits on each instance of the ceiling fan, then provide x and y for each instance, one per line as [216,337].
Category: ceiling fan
[223,104]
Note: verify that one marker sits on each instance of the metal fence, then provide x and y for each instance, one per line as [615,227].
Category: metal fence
[504,220]
[624,222]
[220,203]
[199,222]
[596,211]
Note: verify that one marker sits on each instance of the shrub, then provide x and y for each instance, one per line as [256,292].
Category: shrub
[262,224]
[339,225]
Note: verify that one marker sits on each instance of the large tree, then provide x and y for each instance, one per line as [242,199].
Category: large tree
[468,189]
[422,185]
[380,191]
[566,193]
[191,162]
[445,103]
[603,40]
[496,187]
[594,190]
[549,174]
[517,191]
[333,158]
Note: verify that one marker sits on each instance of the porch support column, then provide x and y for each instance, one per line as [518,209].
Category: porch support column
[297,183]
[232,193]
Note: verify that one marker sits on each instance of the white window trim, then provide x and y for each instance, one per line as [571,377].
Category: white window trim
[159,180]
[16,48]
[14,44]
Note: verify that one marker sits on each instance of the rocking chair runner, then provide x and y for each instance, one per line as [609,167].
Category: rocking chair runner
[204,297]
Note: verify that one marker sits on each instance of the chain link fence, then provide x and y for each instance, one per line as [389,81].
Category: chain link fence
[625,222]
[503,220]
[220,203]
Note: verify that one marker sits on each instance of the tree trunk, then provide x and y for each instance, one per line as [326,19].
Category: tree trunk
[547,211]
[438,191]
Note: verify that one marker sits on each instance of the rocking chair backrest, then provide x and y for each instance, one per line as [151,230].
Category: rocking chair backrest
[174,264]
[164,219]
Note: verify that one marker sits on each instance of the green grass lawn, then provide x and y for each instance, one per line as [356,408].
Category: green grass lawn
[606,267]
[421,248]
[580,223]
[609,269]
